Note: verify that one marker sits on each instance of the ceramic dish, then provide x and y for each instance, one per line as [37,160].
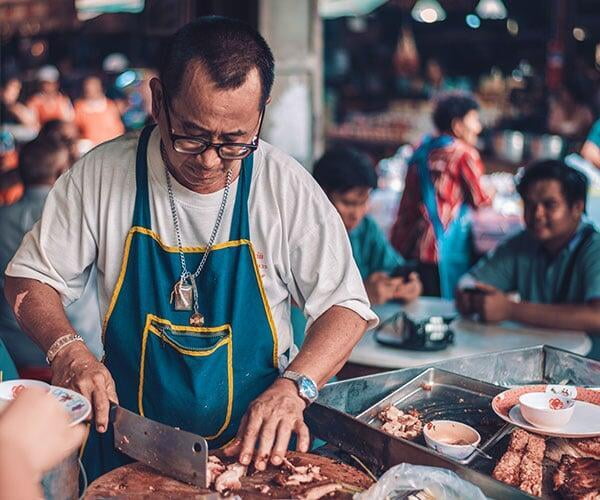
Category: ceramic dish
[585,421]
[545,409]
[77,406]
[454,439]
[11,388]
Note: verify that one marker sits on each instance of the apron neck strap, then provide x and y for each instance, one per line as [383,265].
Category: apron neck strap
[240,228]
[141,213]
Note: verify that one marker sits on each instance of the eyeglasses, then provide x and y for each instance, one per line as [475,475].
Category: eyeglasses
[190,145]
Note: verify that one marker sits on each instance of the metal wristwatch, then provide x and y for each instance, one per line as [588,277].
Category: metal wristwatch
[307,388]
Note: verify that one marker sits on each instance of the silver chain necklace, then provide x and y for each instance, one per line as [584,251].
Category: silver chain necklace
[184,295]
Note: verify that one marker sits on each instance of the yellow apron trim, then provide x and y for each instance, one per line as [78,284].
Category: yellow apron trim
[227,244]
[207,352]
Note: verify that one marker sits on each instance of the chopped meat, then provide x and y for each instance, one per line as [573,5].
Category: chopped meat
[578,478]
[304,474]
[230,478]
[518,440]
[578,448]
[215,469]
[320,491]
[262,488]
[400,424]
[530,470]
[590,446]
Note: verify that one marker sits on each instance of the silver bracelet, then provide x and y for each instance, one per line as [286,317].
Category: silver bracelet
[61,342]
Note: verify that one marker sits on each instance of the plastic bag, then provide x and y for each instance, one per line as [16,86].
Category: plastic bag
[443,484]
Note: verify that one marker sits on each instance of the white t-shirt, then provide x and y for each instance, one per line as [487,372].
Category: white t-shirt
[301,245]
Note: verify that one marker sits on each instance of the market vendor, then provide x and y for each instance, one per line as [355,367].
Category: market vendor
[443,185]
[201,234]
[552,265]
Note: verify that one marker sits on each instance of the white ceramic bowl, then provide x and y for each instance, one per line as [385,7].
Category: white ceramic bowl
[546,409]
[454,439]
[9,388]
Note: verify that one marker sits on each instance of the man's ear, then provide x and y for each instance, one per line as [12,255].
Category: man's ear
[578,207]
[456,127]
[157,97]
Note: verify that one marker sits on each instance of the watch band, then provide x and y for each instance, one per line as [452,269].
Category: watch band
[300,380]
[60,343]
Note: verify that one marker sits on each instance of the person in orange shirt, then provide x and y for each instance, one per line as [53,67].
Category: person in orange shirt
[11,187]
[49,103]
[97,117]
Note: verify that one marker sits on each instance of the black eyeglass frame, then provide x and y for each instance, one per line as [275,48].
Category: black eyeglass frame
[204,144]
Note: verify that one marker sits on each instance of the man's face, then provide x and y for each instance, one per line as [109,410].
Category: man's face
[548,216]
[49,87]
[352,205]
[468,128]
[92,88]
[202,110]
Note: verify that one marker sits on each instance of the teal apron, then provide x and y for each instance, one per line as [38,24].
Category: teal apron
[454,243]
[200,379]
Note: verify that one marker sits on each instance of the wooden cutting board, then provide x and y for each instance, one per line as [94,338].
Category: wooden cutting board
[139,481]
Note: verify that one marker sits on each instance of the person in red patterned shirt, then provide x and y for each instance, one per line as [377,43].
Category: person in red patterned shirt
[442,185]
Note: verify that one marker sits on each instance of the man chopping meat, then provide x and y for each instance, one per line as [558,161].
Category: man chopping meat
[201,235]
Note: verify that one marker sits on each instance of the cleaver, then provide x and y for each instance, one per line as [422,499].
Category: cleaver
[176,453]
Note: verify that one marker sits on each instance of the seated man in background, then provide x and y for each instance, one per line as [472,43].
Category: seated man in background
[553,264]
[348,177]
[443,184]
[591,147]
[41,162]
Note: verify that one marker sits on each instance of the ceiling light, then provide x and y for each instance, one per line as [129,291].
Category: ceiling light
[579,34]
[491,9]
[473,21]
[428,11]
[512,26]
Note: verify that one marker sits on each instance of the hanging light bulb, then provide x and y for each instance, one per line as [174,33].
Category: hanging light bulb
[491,9]
[428,11]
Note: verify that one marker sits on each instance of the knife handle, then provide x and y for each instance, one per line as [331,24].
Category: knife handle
[112,412]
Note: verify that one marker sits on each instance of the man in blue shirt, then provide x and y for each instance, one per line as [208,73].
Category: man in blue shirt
[348,177]
[553,264]
[41,162]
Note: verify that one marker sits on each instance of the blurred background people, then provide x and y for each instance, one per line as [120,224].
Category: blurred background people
[48,103]
[570,114]
[41,163]
[11,187]
[12,111]
[97,116]
[591,147]
[442,184]
[66,133]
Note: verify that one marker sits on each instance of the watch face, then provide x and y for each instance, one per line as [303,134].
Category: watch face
[308,388]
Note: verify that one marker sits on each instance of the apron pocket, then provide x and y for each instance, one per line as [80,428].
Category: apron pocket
[186,376]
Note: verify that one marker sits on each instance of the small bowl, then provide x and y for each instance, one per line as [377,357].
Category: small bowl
[546,409]
[454,439]
[10,388]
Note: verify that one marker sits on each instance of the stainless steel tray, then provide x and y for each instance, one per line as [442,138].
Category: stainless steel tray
[437,394]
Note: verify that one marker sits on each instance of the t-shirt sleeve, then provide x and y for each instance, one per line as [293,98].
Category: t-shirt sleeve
[591,271]
[323,269]
[382,256]
[61,246]
[498,267]
[594,135]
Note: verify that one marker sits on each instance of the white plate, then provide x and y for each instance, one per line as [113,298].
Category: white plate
[584,423]
[77,406]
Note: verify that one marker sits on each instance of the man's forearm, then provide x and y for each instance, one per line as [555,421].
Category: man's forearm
[328,344]
[38,310]
[585,317]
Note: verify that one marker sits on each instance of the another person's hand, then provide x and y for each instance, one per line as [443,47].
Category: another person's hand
[267,427]
[381,288]
[36,430]
[409,289]
[464,301]
[492,304]
[75,367]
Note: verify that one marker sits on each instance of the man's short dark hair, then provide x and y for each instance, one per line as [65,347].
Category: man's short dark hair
[450,106]
[228,48]
[38,160]
[574,184]
[340,170]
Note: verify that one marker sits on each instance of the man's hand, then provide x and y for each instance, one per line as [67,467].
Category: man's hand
[381,288]
[491,304]
[75,367]
[36,431]
[267,427]
[409,289]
